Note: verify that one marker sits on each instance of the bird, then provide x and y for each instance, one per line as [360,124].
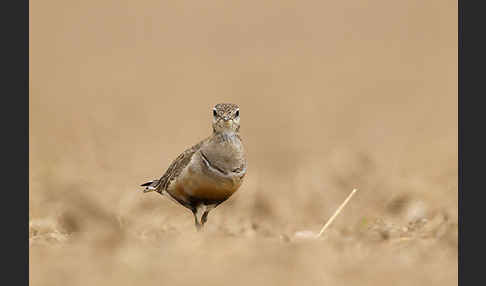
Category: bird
[208,173]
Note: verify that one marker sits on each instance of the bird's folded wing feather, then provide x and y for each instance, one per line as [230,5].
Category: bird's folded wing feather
[177,166]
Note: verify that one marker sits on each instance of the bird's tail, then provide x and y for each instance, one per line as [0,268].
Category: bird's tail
[150,186]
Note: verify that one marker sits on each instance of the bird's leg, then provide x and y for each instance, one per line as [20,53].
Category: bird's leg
[199,212]
[207,209]
[204,217]
[198,225]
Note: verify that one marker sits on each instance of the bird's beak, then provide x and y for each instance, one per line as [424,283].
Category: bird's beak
[228,123]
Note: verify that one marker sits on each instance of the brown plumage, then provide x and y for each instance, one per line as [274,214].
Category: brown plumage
[208,173]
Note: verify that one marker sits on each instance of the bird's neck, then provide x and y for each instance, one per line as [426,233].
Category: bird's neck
[226,134]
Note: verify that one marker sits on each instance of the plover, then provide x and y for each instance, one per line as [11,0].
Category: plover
[208,173]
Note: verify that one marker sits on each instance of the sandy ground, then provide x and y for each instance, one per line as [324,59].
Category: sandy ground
[333,96]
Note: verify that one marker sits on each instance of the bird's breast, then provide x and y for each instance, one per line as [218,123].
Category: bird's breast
[196,185]
[214,173]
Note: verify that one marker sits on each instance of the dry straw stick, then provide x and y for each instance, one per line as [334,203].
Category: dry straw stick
[328,223]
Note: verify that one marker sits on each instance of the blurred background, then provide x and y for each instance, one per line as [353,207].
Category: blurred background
[333,96]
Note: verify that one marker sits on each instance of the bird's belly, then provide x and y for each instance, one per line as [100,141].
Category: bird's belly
[195,187]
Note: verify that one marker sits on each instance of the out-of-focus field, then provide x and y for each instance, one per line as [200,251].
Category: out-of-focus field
[333,96]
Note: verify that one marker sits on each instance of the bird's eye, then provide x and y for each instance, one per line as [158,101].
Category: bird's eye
[237,113]
[215,113]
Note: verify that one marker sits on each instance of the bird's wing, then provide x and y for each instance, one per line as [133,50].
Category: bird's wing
[177,166]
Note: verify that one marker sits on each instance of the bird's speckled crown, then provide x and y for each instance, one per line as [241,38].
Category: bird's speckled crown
[226,109]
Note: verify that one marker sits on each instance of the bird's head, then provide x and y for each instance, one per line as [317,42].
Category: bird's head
[226,118]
